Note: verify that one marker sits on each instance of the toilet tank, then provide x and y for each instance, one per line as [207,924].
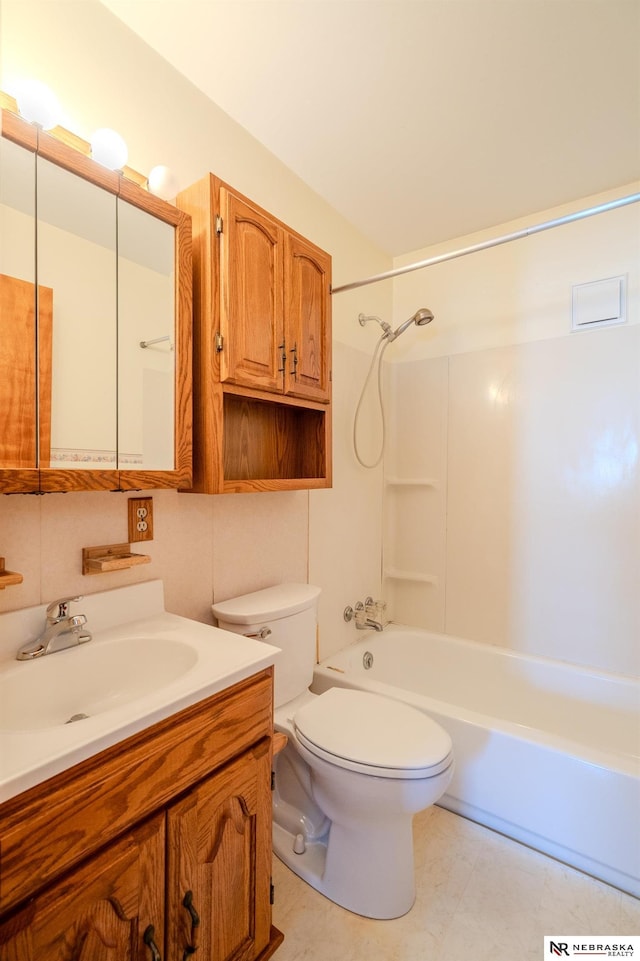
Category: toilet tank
[290,612]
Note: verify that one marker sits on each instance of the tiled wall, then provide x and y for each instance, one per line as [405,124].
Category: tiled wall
[523,438]
[531,525]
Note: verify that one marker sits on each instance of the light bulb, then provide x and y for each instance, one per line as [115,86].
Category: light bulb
[163,182]
[109,149]
[38,104]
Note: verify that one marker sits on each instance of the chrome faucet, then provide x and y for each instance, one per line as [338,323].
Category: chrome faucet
[368,624]
[361,612]
[59,625]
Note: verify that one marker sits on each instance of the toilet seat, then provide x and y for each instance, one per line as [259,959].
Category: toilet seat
[372,734]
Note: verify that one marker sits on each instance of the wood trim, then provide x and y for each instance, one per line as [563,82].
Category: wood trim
[19,481]
[56,824]
[282,400]
[275,940]
[54,480]
[134,193]
[18,130]
[280,484]
[57,152]
[198,203]
[45,342]
[279,742]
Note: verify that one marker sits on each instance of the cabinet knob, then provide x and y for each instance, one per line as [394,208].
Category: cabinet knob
[294,351]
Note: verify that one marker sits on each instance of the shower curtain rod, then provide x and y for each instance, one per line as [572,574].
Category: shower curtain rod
[495,242]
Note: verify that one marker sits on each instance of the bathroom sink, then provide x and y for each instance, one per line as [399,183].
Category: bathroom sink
[81,682]
[142,665]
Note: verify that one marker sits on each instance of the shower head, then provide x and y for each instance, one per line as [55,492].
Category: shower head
[420,318]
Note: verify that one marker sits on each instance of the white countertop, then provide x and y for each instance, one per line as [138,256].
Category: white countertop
[217,660]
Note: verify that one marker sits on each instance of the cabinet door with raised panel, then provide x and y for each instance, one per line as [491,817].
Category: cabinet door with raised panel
[219,858]
[251,297]
[307,320]
[109,909]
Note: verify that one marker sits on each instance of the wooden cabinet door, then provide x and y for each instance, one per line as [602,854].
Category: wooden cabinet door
[25,415]
[219,860]
[251,296]
[99,911]
[307,320]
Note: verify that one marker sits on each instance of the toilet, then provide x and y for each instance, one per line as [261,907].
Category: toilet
[356,768]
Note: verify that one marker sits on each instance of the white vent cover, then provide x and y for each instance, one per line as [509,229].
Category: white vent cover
[599,303]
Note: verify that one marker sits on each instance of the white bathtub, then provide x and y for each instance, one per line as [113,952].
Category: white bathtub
[546,752]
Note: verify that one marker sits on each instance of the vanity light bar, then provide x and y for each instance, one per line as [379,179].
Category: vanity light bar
[7,102]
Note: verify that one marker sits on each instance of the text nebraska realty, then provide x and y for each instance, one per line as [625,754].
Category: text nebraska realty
[606,950]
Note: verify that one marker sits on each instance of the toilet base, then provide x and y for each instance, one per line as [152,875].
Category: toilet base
[379,885]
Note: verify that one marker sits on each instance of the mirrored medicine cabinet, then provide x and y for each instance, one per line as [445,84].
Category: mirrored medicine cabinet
[95,324]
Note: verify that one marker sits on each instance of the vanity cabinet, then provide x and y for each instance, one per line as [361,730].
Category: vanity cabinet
[99,912]
[156,846]
[217,848]
[95,312]
[262,347]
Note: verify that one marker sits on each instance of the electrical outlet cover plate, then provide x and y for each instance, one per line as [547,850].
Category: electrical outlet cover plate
[140,518]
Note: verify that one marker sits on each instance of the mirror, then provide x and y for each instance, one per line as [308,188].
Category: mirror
[97,393]
[146,340]
[77,261]
[18,382]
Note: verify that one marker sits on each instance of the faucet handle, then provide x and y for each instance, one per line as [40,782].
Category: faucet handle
[61,604]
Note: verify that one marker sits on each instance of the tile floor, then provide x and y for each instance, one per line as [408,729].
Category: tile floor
[480,897]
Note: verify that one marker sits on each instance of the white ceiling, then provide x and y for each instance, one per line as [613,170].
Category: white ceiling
[420,120]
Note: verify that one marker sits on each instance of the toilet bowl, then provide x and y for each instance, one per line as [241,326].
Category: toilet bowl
[356,768]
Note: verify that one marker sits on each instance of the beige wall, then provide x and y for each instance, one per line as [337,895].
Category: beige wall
[204,546]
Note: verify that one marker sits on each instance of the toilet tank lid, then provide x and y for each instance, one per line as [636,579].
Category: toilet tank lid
[281,600]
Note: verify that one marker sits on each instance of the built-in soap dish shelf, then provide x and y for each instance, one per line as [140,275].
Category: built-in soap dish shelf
[112,557]
[8,578]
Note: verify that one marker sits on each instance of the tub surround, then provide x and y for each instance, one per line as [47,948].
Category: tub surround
[546,753]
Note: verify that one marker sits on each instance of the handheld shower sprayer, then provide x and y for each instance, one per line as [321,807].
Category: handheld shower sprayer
[420,318]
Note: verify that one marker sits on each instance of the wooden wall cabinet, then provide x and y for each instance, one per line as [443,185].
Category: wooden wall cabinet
[162,843]
[262,347]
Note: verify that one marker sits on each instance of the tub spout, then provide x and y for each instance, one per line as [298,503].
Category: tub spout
[361,614]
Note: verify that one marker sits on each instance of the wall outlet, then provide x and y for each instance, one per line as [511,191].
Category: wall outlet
[140,518]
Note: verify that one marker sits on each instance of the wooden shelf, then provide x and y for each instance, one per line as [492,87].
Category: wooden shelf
[112,557]
[272,441]
[8,578]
